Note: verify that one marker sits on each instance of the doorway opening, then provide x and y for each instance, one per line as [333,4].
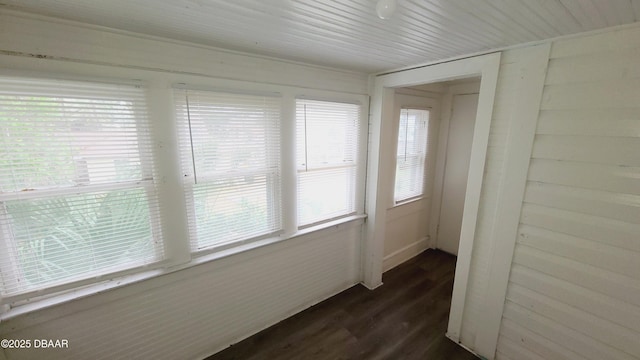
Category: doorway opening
[382,147]
[460,104]
[432,133]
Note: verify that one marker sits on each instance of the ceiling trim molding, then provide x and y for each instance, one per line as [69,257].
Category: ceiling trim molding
[514,47]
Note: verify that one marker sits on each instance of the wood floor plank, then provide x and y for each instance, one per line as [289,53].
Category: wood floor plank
[406,318]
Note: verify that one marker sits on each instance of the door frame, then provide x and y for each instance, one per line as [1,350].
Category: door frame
[379,166]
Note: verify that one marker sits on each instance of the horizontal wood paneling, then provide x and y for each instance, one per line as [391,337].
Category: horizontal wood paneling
[606,257]
[592,122]
[612,178]
[198,311]
[599,229]
[543,347]
[595,149]
[574,290]
[512,349]
[610,94]
[571,339]
[620,287]
[606,42]
[579,69]
[618,206]
[598,304]
[578,320]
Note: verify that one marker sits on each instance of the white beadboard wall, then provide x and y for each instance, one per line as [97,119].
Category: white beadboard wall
[197,311]
[574,287]
[194,312]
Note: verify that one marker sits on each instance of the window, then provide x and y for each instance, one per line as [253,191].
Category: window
[230,145]
[411,154]
[80,200]
[327,153]
[77,193]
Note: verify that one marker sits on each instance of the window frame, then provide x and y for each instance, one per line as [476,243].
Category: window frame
[357,165]
[147,184]
[188,185]
[424,159]
[178,255]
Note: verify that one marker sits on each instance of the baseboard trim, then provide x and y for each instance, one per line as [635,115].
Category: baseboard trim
[399,256]
[371,287]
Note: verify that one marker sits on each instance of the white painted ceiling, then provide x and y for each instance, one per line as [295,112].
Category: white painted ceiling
[346,33]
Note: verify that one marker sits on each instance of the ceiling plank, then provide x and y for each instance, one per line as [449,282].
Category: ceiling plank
[585,13]
[346,33]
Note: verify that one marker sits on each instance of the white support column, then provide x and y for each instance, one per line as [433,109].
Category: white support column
[380,146]
[173,211]
[511,194]
[288,165]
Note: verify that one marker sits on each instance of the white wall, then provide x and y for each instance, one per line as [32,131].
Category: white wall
[407,224]
[197,311]
[560,198]
[194,312]
[406,232]
[574,284]
[456,188]
[574,288]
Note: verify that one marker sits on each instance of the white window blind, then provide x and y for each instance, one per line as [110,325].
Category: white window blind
[327,154]
[230,145]
[411,154]
[77,194]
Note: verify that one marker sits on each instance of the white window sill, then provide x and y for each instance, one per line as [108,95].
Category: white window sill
[33,305]
[407,202]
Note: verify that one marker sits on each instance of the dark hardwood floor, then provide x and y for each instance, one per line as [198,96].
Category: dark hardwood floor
[406,318]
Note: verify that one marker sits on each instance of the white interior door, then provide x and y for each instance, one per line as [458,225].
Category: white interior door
[461,125]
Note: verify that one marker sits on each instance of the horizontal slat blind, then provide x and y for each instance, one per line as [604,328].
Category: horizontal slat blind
[77,196]
[327,153]
[411,154]
[230,151]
